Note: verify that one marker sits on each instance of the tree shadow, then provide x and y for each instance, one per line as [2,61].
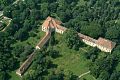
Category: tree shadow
[56,42]
[75,77]
[17,65]
[53,66]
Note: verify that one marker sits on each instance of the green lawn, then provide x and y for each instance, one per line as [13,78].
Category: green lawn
[88,77]
[14,76]
[71,60]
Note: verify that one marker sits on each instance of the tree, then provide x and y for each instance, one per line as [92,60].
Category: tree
[2,75]
[94,70]
[7,11]
[92,54]
[7,61]
[21,35]
[53,53]
[27,25]
[28,49]
[52,40]
[72,39]
[30,4]
[44,10]
[53,7]
[93,29]
[4,3]
[104,75]
[113,33]
[115,75]
[70,76]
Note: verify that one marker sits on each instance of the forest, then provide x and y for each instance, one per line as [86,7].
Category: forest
[95,18]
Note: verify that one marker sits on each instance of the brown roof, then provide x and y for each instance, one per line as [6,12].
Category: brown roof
[53,23]
[82,36]
[106,43]
[44,39]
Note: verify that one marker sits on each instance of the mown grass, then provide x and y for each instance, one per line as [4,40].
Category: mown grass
[87,77]
[71,60]
[14,76]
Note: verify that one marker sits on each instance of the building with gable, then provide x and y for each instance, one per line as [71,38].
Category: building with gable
[51,24]
[105,44]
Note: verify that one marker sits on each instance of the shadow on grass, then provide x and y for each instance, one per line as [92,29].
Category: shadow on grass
[53,65]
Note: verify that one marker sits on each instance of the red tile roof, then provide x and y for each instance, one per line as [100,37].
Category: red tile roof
[53,23]
[82,36]
[106,43]
[44,40]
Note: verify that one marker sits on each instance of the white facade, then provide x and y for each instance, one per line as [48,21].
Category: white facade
[45,29]
[59,31]
[89,43]
[103,48]
[18,72]
[37,47]
[95,45]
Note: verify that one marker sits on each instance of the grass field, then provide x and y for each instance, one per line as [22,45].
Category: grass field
[71,60]
[88,77]
[14,76]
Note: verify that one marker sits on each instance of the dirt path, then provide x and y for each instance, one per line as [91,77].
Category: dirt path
[83,49]
[84,74]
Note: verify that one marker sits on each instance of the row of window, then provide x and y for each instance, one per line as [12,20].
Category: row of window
[100,47]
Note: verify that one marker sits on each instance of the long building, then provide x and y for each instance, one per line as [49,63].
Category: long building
[27,63]
[51,24]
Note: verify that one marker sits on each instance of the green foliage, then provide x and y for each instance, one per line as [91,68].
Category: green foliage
[103,68]
[52,40]
[113,33]
[94,30]
[91,17]
[7,11]
[92,54]
[53,53]
[21,35]
[44,10]
[7,61]
[4,3]
[72,39]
